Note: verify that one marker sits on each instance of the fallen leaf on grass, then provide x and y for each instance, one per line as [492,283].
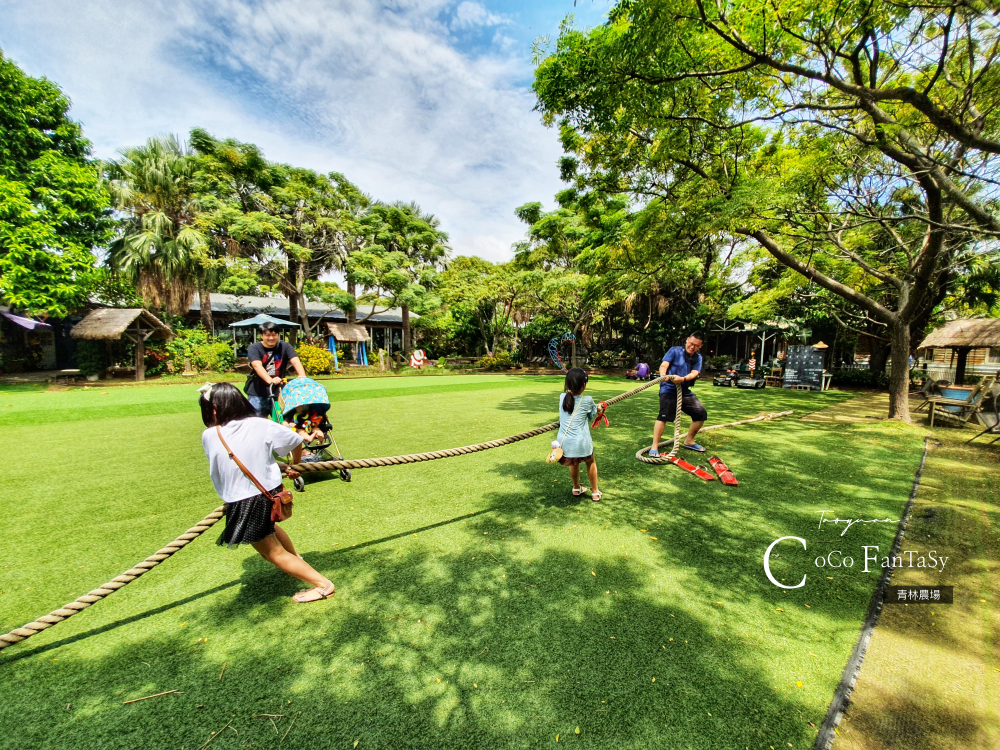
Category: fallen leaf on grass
[654,538]
[593,573]
[578,730]
[779,609]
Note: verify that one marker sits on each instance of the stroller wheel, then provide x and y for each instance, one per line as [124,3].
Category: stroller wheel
[300,484]
[345,475]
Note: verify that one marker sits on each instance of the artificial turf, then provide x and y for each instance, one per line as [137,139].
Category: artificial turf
[478,604]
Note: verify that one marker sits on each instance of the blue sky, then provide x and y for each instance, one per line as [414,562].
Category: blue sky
[425,100]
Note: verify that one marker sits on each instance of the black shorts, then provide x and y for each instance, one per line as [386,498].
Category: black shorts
[690,406]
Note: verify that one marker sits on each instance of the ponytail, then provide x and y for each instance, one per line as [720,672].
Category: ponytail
[576,381]
[568,403]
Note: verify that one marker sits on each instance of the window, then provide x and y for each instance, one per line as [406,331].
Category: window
[994,355]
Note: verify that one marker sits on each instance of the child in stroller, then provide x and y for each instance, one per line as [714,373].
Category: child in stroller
[303,405]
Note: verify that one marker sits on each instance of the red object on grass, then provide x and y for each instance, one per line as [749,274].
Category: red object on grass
[602,416]
[723,471]
[696,470]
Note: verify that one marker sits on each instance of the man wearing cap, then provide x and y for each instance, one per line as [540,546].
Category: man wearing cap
[269,358]
[681,365]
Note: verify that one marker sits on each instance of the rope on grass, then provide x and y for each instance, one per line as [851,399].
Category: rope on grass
[92,597]
[412,458]
[641,455]
[677,422]
[55,617]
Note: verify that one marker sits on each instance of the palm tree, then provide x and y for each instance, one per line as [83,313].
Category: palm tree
[158,247]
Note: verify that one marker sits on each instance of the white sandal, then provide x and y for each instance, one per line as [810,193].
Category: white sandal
[577,492]
[596,496]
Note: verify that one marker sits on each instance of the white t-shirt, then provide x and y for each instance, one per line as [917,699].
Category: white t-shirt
[255,442]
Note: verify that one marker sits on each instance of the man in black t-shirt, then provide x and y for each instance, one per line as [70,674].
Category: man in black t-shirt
[269,359]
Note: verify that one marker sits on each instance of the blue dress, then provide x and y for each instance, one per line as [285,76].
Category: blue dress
[577,443]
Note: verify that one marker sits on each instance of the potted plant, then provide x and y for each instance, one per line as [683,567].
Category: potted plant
[91,359]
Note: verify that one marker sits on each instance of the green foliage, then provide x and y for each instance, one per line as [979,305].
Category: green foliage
[197,345]
[720,362]
[607,358]
[499,361]
[487,293]
[315,359]
[860,378]
[240,279]
[91,357]
[53,210]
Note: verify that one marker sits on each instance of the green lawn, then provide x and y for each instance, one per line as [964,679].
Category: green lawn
[477,605]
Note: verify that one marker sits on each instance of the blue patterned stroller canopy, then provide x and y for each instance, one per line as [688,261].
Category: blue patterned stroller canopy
[303,392]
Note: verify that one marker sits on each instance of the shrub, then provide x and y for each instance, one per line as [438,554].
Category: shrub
[606,358]
[91,357]
[718,363]
[861,378]
[315,359]
[156,360]
[499,361]
[205,354]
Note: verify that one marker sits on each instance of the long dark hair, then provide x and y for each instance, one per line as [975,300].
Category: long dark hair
[576,380]
[224,404]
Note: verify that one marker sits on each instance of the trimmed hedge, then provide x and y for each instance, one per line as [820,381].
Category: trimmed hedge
[861,378]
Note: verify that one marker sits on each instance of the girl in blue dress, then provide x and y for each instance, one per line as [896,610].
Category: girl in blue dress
[576,412]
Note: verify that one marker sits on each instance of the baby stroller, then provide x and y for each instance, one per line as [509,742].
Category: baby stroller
[307,393]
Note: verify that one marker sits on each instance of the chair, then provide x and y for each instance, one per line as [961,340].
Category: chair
[927,390]
[989,418]
[960,410]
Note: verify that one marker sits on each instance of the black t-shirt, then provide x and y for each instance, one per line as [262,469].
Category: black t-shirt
[274,361]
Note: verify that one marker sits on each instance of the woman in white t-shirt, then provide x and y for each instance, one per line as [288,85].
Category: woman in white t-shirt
[255,442]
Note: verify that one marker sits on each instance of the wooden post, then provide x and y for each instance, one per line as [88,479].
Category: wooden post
[140,358]
[963,358]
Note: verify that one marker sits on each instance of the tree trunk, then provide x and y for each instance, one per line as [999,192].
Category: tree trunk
[899,378]
[406,329]
[879,354]
[352,317]
[205,303]
[293,311]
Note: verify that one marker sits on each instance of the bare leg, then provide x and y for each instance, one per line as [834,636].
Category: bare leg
[692,431]
[272,551]
[284,539]
[658,429]
[574,474]
[592,474]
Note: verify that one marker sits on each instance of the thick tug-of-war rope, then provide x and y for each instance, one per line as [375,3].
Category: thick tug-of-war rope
[92,597]
[412,458]
[641,455]
[81,603]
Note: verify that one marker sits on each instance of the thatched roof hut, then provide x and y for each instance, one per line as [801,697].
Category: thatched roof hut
[964,335]
[109,324]
[347,332]
[136,325]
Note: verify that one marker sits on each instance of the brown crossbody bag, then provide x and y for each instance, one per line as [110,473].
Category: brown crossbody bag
[281,502]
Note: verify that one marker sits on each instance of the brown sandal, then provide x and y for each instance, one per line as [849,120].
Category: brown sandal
[314,594]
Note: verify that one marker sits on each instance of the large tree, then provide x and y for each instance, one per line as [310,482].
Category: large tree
[53,209]
[492,294]
[855,143]
[405,228]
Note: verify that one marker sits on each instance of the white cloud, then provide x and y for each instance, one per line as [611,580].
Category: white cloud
[381,93]
[469,15]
